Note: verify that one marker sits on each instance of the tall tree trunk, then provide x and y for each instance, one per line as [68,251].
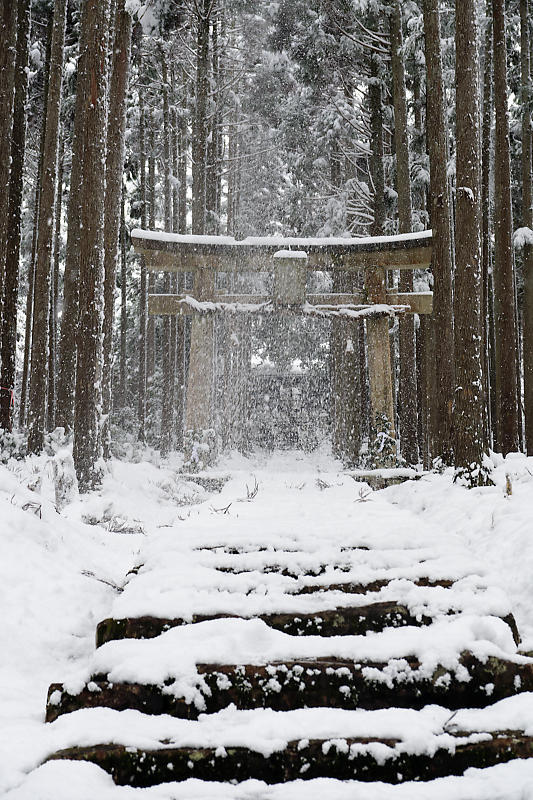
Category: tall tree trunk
[11,274]
[407,392]
[174,157]
[527,218]
[150,336]
[182,162]
[123,250]
[486,203]
[233,179]
[116,134]
[69,318]
[167,349]
[200,444]
[29,307]
[30,297]
[377,169]
[424,376]
[176,322]
[54,296]
[426,389]
[468,408]
[213,166]
[40,343]
[382,428]
[143,289]
[181,351]
[504,296]
[440,214]
[344,348]
[87,449]
[199,133]
[8,48]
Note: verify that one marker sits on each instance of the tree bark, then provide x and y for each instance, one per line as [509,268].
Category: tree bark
[29,308]
[167,349]
[182,162]
[54,296]
[486,204]
[181,350]
[150,334]
[143,289]
[30,297]
[504,294]
[440,414]
[213,166]
[8,48]
[527,218]
[423,339]
[199,133]
[200,444]
[40,342]
[87,450]
[468,407]
[69,318]
[116,135]
[11,273]
[382,428]
[407,391]
[123,250]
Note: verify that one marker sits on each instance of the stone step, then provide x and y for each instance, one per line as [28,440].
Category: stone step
[349,587]
[334,622]
[287,571]
[345,759]
[348,621]
[322,682]
[304,565]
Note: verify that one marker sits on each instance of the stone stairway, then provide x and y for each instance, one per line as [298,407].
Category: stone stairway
[358,666]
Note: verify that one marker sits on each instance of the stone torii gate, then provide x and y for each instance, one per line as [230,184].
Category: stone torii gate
[288,260]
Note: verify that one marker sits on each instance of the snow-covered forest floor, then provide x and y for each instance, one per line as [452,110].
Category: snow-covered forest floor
[61,573]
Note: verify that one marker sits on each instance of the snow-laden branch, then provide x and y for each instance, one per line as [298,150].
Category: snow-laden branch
[523,237]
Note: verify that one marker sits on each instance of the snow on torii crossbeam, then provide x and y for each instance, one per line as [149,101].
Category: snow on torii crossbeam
[289,259]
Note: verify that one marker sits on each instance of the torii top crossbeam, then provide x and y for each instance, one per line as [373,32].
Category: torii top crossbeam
[177,252]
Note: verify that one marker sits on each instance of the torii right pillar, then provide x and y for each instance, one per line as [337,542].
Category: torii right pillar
[382,448]
[200,438]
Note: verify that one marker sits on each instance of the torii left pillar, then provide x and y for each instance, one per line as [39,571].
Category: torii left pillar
[200,438]
[383,435]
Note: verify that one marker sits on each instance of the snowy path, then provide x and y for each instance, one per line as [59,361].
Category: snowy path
[308,535]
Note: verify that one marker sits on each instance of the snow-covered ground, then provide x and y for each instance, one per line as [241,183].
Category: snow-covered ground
[61,573]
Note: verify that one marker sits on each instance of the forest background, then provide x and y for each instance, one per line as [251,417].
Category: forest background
[305,118]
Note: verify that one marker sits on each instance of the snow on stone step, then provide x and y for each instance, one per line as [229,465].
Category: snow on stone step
[418,601]
[301,562]
[250,641]
[167,592]
[339,621]
[224,579]
[463,660]
[348,759]
[392,745]
[233,601]
[63,780]
[287,686]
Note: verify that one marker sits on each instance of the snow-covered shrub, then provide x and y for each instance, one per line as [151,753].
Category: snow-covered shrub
[12,445]
[65,482]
